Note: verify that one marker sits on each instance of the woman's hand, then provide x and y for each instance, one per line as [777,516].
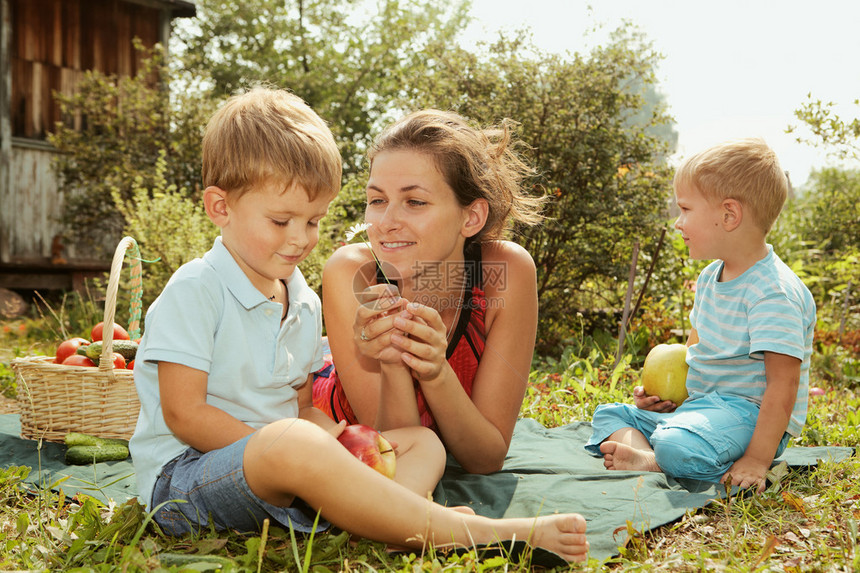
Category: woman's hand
[424,341]
[374,322]
[652,403]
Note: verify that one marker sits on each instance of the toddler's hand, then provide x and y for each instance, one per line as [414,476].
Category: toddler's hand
[747,472]
[652,403]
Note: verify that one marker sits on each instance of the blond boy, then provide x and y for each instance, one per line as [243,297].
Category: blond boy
[750,342]
[227,435]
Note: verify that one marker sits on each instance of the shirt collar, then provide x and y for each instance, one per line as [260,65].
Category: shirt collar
[240,285]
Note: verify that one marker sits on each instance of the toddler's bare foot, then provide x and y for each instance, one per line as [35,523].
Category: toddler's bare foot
[465,509]
[563,534]
[618,456]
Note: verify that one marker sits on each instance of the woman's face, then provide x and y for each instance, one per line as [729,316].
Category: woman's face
[416,223]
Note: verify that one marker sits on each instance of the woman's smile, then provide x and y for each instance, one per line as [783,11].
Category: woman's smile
[392,245]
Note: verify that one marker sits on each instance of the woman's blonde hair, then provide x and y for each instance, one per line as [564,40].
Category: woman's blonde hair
[476,163]
[744,169]
[270,135]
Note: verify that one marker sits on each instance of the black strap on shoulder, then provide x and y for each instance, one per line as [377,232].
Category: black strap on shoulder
[473,278]
[381,278]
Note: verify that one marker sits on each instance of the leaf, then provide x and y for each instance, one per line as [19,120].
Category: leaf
[209,545]
[777,472]
[772,542]
[794,501]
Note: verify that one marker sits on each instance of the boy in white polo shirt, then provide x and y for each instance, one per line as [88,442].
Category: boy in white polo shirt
[750,342]
[227,434]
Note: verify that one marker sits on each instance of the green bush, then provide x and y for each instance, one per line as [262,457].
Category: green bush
[600,160]
[169,227]
[116,130]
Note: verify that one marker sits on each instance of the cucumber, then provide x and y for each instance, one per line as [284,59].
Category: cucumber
[128,349]
[85,449]
[79,439]
[82,455]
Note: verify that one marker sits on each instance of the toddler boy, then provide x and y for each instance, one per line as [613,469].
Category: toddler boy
[750,341]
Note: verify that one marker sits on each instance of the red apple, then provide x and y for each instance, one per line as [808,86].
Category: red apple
[369,446]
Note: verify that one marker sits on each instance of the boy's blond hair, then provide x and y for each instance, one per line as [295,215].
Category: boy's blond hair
[269,135]
[744,169]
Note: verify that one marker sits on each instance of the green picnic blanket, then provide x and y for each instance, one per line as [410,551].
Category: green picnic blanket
[546,471]
[105,481]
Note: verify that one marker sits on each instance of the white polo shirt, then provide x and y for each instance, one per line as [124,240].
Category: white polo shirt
[211,318]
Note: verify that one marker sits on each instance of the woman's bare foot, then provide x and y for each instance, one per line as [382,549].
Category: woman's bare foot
[618,456]
[563,534]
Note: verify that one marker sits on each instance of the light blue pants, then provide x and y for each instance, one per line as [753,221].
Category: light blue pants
[205,490]
[700,440]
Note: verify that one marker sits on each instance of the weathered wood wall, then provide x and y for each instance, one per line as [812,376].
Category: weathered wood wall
[47,46]
[56,41]
[31,216]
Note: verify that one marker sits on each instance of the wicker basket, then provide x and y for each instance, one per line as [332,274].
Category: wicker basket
[56,399]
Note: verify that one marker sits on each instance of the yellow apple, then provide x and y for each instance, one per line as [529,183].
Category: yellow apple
[665,372]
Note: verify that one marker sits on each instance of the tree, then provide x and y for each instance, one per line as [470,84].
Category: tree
[827,217]
[840,136]
[125,125]
[346,65]
[602,168]
[832,203]
[595,126]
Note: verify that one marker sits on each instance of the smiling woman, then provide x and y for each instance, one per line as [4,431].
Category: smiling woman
[440,330]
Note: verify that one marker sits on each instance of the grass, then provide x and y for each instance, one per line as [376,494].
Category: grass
[807,520]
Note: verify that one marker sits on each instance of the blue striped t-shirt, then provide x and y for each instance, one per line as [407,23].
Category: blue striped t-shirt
[766,309]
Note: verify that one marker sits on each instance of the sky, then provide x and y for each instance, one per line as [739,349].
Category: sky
[730,69]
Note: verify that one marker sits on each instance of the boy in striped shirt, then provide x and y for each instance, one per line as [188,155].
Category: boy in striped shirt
[750,340]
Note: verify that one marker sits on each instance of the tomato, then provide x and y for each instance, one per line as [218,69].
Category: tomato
[118,361]
[78,360]
[119,333]
[69,347]
[130,365]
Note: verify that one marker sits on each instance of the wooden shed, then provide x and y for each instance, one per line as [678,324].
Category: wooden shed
[47,46]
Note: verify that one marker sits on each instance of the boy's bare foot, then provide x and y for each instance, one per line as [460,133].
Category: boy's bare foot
[563,534]
[618,456]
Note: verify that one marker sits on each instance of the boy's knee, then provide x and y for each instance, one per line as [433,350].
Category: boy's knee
[287,440]
[682,453]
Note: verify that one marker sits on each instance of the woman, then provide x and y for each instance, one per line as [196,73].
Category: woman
[448,343]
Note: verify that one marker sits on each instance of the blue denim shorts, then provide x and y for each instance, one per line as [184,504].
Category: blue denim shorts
[700,440]
[204,490]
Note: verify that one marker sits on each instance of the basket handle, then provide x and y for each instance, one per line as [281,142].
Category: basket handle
[134,308]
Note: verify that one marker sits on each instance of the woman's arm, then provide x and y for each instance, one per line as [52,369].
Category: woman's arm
[307,410]
[186,413]
[349,307]
[478,431]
